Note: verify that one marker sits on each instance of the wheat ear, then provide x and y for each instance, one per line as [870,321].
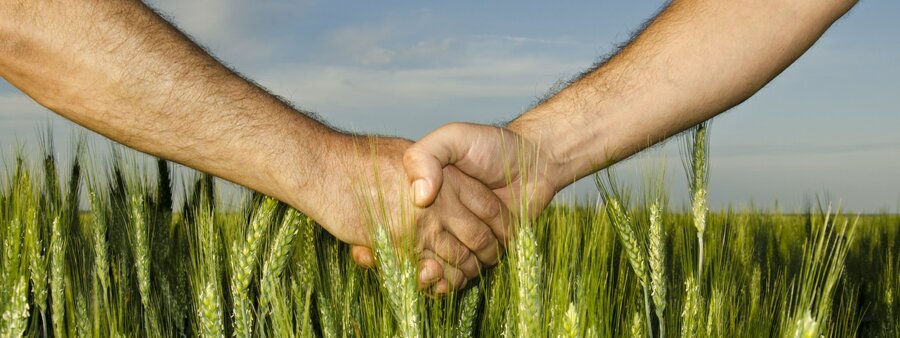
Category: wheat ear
[244,263]
[657,266]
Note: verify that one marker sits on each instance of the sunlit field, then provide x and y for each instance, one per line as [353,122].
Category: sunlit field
[136,264]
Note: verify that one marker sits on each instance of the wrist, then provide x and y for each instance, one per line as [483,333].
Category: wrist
[346,163]
[539,152]
[310,166]
[580,139]
[557,143]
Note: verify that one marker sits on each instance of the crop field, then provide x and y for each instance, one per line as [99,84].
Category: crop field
[136,264]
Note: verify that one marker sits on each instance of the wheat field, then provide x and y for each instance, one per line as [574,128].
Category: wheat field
[132,263]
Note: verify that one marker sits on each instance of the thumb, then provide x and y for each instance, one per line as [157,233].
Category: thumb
[362,256]
[426,174]
[424,161]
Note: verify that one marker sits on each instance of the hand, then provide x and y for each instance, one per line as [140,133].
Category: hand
[454,236]
[521,174]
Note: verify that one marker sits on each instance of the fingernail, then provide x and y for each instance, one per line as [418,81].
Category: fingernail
[369,261]
[420,186]
[424,274]
[442,288]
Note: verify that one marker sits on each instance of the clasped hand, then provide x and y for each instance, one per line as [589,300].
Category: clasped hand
[470,184]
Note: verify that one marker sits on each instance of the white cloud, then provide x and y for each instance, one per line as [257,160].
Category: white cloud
[380,65]
[361,44]
[375,63]
[561,40]
[220,20]
[234,30]
[315,85]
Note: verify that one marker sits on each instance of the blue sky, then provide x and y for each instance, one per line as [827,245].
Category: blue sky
[827,126]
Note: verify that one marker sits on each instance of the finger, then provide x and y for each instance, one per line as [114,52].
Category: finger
[362,256]
[452,251]
[441,288]
[454,279]
[485,205]
[424,171]
[475,235]
[430,269]
[424,160]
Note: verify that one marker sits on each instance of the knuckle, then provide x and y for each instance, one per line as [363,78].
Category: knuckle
[454,126]
[489,209]
[471,270]
[452,251]
[492,257]
[459,283]
[451,273]
[411,155]
[480,239]
[463,256]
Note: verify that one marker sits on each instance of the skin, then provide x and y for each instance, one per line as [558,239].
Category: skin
[695,60]
[118,68]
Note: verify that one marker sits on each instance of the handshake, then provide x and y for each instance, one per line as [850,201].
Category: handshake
[467,183]
[157,92]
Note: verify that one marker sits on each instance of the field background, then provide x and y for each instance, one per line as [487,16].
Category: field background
[137,264]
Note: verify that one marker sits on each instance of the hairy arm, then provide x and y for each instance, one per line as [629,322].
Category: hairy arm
[695,60]
[119,69]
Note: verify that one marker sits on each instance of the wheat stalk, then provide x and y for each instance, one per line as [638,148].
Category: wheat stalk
[755,290]
[633,250]
[12,255]
[82,320]
[691,308]
[507,328]
[141,248]
[657,266]
[101,246]
[336,282]
[350,294]
[714,313]
[326,317]
[636,327]
[806,327]
[15,317]
[302,298]
[244,263]
[210,311]
[205,280]
[280,311]
[57,275]
[141,245]
[697,168]
[699,210]
[528,281]
[307,264]
[37,261]
[571,326]
[306,273]
[399,279]
[468,311]
[277,260]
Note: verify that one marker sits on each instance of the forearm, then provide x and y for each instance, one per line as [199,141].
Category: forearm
[119,69]
[695,60]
